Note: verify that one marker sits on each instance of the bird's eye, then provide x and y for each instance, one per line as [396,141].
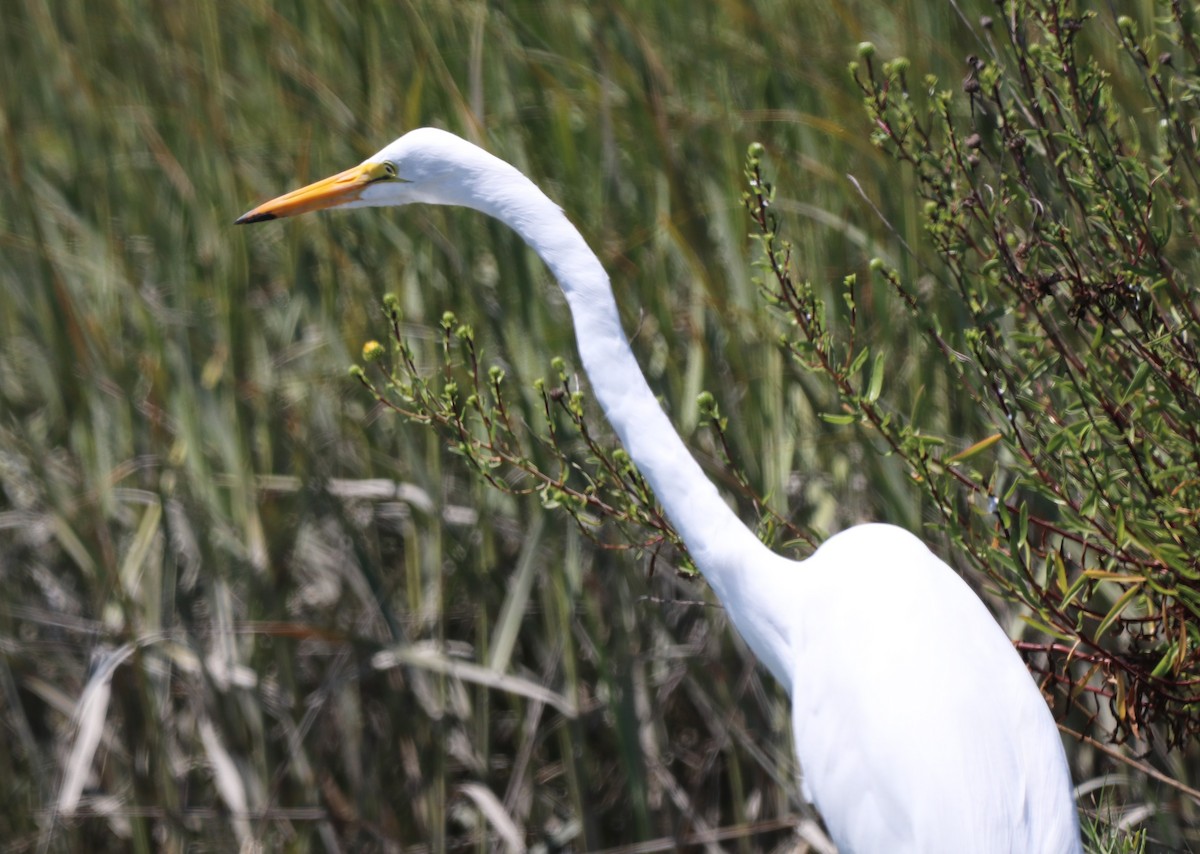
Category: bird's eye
[389,169]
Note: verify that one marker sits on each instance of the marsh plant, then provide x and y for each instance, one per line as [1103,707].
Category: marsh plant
[246,604]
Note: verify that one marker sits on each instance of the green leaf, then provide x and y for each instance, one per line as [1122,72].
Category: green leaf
[876,378]
[1115,610]
[860,358]
[979,447]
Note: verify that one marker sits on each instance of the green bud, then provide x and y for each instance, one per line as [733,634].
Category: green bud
[373,351]
[876,265]
[755,151]
[866,49]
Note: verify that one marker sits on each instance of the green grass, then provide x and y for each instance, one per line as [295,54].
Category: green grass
[320,631]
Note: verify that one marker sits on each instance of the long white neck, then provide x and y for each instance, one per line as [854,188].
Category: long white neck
[751,581]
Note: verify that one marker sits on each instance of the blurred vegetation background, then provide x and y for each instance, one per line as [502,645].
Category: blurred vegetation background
[243,607]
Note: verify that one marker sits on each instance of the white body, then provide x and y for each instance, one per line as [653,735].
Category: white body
[917,726]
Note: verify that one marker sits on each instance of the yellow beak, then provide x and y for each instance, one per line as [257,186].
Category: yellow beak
[337,190]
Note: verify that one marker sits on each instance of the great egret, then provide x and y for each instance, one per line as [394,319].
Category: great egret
[917,726]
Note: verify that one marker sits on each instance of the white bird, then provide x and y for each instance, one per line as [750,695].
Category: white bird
[917,726]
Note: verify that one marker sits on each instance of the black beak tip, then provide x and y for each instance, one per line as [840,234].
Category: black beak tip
[246,219]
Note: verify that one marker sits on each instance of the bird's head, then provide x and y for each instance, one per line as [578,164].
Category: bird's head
[425,165]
